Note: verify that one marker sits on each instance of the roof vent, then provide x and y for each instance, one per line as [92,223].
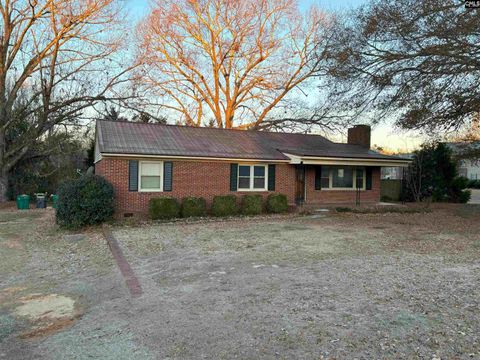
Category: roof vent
[360,135]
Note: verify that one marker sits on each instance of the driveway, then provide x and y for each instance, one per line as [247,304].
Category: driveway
[475,199]
[336,287]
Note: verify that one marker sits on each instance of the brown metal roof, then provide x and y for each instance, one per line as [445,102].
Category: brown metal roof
[119,137]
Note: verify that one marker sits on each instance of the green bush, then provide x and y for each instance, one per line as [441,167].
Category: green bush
[163,208]
[474,184]
[464,196]
[343,209]
[224,205]
[433,174]
[193,206]
[277,203]
[87,200]
[252,204]
[456,192]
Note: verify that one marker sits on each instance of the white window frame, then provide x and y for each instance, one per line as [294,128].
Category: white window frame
[251,188]
[330,179]
[140,163]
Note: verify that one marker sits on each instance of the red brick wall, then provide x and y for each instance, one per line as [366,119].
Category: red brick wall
[340,196]
[210,178]
[190,178]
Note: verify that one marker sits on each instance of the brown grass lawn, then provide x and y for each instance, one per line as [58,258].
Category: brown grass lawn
[338,286]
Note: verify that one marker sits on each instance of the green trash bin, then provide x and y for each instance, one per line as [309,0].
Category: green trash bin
[54,201]
[23,202]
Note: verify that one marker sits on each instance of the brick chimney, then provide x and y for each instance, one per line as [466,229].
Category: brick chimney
[360,135]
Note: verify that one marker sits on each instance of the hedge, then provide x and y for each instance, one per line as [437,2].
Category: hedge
[252,204]
[164,208]
[88,200]
[224,205]
[193,207]
[277,203]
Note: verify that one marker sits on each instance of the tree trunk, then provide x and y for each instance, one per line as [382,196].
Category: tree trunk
[3,186]
[3,170]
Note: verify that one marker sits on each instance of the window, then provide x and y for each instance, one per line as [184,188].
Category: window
[360,178]
[325,177]
[150,174]
[252,177]
[343,177]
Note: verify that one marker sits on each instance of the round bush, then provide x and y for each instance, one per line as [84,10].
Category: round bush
[251,204]
[277,203]
[87,200]
[164,208]
[224,205]
[193,207]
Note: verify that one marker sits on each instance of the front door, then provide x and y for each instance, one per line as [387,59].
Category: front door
[300,185]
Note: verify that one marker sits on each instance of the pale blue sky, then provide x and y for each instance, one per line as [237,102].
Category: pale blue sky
[383,134]
[139,7]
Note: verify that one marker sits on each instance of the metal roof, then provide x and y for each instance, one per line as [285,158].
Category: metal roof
[121,137]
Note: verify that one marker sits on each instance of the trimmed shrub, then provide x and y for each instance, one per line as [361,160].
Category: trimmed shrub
[277,203]
[224,205]
[252,204]
[87,200]
[343,209]
[163,208]
[193,206]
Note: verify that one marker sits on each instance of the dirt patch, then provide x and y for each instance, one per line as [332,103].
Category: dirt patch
[45,329]
[46,307]
[47,314]
[13,244]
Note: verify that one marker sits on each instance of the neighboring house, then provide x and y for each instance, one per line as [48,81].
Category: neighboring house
[395,172]
[468,165]
[145,161]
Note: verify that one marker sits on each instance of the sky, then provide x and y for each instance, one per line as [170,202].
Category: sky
[384,134]
[140,7]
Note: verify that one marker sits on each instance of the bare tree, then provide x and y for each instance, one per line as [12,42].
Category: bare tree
[415,62]
[226,60]
[57,58]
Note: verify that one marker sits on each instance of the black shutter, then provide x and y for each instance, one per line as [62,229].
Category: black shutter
[318,178]
[271,177]
[132,175]
[369,178]
[167,176]
[233,177]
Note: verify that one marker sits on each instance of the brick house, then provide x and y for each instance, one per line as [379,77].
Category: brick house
[144,161]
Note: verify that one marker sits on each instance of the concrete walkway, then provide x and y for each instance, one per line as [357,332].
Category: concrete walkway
[475,199]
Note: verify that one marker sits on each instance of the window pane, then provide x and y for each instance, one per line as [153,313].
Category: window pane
[244,170]
[342,177]
[259,183]
[243,182]
[151,169]
[325,183]
[150,182]
[259,171]
[325,171]
[360,176]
